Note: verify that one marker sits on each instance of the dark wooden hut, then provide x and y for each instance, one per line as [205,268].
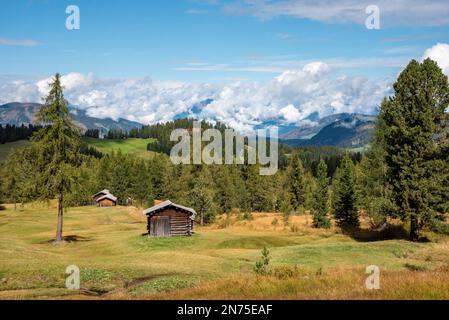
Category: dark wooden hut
[168,219]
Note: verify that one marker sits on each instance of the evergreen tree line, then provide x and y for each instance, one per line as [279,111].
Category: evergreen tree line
[92,133]
[310,156]
[11,133]
[209,189]
[116,134]
[404,175]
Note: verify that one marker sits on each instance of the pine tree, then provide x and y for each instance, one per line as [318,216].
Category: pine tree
[372,187]
[344,195]
[259,193]
[150,201]
[321,198]
[286,208]
[202,196]
[141,182]
[121,182]
[57,145]
[183,183]
[414,133]
[226,193]
[295,183]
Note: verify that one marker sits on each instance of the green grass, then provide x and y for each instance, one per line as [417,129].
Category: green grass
[116,261]
[132,146]
[7,148]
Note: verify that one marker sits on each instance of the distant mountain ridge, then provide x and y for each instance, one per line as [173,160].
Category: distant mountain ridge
[341,130]
[17,113]
[345,130]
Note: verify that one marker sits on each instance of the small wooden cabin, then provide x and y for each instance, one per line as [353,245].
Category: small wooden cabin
[100,194]
[168,219]
[104,199]
[107,200]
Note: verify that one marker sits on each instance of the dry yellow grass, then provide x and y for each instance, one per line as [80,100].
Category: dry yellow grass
[117,262]
[335,284]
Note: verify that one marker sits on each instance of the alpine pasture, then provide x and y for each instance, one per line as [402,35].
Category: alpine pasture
[117,261]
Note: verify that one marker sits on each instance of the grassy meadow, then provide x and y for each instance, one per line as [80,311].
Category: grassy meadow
[133,146]
[118,262]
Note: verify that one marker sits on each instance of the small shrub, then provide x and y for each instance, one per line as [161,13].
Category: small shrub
[275,222]
[261,266]
[247,216]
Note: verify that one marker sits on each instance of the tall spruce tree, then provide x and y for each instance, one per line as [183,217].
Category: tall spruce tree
[414,131]
[258,189]
[226,193]
[202,196]
[142,189]
[295,183]
[344,195]
[321,198]
[373,191]
[286,207]
[57,145]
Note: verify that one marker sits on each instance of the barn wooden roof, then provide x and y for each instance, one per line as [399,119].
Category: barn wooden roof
[107,196]
[167,204]
[105,191]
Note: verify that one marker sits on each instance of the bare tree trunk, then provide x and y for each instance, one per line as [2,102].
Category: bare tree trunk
[414,229]
[60,213]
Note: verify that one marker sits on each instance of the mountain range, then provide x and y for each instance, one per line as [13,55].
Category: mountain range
[345,130]
[24,113]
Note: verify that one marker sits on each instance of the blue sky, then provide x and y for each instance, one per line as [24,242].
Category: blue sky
[193,41]
[212,42]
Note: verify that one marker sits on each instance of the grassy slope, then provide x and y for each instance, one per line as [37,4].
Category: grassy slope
[7,148]
[136,147]
[116,261]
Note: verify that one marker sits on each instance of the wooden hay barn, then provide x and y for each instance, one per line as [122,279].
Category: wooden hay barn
[168,219]
[104,199]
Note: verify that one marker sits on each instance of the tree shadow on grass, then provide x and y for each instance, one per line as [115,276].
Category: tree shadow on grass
[390,232]
[70,239]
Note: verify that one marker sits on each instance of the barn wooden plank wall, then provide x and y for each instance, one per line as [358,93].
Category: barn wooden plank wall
[180,223]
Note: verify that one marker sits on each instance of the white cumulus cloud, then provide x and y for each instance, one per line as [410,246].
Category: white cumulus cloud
[289,97]
[440,54]
[291,114]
